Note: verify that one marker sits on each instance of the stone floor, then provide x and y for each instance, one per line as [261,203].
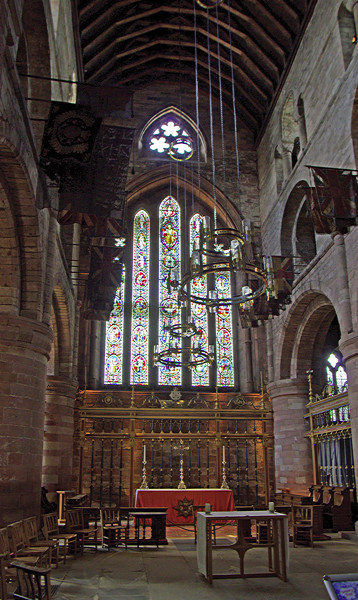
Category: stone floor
[170,572]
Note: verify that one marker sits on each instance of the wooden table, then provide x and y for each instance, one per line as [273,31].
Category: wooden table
[153,520]
[277,542]
[177,500]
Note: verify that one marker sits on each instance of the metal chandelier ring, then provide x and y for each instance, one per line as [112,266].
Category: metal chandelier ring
[185,295]
[166,358]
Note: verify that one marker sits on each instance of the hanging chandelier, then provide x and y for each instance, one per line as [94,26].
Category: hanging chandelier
[176,355]
[225,257]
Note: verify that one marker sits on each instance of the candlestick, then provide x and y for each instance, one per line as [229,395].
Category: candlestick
[224,484]
[144,485]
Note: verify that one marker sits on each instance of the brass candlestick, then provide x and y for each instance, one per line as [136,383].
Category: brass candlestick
[224,484]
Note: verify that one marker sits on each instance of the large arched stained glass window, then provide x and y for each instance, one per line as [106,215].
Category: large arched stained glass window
[200,374]
[224,342]
[140,299]
[169,262]
[114,339]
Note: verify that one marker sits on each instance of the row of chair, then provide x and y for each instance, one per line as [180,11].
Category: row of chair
[27,548]
[21,546]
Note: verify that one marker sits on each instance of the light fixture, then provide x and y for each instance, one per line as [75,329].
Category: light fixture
[223,251]
[176,355]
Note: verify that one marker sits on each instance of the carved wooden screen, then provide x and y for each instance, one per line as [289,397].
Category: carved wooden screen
[115,431]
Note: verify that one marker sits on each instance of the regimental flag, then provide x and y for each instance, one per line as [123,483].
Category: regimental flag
[103,280]
[334,199]
[283,276]
[99,189]
[69,138]
[321,223]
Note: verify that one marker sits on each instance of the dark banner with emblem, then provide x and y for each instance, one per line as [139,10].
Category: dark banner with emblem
[69,138]
[99,189]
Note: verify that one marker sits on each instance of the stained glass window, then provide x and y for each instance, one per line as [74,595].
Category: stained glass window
[169,263]
[140,299]
[224,344]
[171,138]
[336,373]
[114,339]
[200,374]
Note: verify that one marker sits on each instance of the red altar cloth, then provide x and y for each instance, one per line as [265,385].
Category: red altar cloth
[219,499]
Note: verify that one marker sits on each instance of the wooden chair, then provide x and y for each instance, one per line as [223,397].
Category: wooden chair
[113,532]
[33,583]
[302,525]
[19,546]
[51,532]
[75,524]
[194,511]
[32,538]
[7,573]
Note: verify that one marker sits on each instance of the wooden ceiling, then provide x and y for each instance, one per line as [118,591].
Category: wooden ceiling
[250,43]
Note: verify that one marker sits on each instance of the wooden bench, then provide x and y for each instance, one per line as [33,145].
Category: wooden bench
[337,510]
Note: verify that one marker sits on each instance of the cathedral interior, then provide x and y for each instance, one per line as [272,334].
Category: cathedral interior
[178,212]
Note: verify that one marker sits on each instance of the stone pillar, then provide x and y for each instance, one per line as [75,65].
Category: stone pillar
[345,313]
[349,349]
[247,383]
[293,460]
[24,352]
[95,355]
[286,162]
[58,436]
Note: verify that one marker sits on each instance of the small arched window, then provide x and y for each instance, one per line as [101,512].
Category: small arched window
[171,134]
[336,373]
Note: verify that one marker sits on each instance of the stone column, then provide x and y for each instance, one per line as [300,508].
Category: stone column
[247,383]
[286,162]
[24,352]
[345,313]
[293,460]
[95,355]
[58,436]
[349,349]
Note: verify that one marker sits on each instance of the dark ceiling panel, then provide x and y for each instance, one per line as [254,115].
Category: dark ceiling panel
[133,42]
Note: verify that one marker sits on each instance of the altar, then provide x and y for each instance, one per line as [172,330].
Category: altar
[178,501]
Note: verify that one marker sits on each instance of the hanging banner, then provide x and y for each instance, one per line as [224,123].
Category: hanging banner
[334,199]
[69,138]
[103,280]
[99,189]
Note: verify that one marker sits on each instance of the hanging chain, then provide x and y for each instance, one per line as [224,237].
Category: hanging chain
[197,95]
[221,104]
[234,111]
[211,121]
